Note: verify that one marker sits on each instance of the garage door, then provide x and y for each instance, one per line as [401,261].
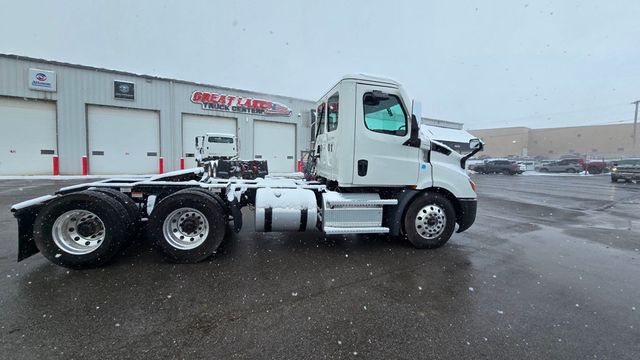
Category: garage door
[276,143]
[123,141]
[197,125]
[28,137]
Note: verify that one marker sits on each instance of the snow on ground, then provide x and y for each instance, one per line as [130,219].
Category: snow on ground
[583,173]
[66,177]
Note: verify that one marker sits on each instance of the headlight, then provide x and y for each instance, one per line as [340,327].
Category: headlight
[614,169]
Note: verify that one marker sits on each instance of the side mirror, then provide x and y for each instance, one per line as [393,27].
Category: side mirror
[373,98]
[475,144]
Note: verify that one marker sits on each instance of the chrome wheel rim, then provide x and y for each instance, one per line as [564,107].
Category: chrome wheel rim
[430,222]
[78,232]
[185,228]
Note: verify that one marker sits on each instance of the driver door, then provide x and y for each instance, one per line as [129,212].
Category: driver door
[380,158]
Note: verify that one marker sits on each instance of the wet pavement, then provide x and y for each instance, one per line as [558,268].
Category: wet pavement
[551,269]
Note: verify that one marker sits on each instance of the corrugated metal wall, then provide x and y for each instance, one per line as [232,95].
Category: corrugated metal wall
[79,86]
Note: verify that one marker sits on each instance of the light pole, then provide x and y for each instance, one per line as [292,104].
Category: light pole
[635,124]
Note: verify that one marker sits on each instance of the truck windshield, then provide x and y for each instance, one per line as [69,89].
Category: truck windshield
[220,140]
[388,116]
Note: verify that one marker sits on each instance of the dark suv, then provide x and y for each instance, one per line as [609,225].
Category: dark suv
[506,167]
[627,169]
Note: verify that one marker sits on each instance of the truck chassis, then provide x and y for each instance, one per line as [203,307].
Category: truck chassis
[187,213]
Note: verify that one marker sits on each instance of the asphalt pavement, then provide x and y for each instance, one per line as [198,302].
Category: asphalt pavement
[550,269]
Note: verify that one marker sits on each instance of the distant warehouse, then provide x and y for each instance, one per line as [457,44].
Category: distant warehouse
[124,123]
[591,141]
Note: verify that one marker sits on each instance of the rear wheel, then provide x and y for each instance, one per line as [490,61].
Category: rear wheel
[81,230]
[429,221]
[133,230]
[544,170]
[571,170]
[187,226]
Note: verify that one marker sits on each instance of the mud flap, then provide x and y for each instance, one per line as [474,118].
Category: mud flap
[237,216]
[26,245]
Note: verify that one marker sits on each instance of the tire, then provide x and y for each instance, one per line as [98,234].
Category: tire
[187,226]
[544,170]
[216,197]
[58,235]
[133,230]
[440,209]
[506,172]
[199,190]
[614,179]
[571,170]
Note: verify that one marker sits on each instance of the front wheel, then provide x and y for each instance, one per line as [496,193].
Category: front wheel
[429,221]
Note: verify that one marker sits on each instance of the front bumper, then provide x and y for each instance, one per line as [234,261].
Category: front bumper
[466,213]
[626,175]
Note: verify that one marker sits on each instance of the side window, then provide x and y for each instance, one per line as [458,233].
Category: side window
[320,115]
[332,112]
[386,116]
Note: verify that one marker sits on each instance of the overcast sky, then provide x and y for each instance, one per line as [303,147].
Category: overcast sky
[485,63]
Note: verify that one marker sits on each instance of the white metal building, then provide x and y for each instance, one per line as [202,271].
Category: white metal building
[123,122]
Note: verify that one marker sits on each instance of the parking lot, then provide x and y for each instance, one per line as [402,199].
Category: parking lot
[550,269]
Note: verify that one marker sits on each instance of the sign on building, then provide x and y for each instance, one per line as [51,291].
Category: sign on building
[238,104]
[43,80]
[123,90]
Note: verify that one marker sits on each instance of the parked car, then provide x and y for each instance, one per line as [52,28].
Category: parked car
[597,167]
[542,164]
[565,165]
[506,167]
[627,169]
[526,165]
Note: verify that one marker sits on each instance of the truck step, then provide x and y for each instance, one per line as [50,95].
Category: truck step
[333,230]
[361,203]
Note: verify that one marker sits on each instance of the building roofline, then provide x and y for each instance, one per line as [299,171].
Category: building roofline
[144,76]
[551,128]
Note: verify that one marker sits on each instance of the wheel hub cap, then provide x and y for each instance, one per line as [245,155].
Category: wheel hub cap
[430,221]
[78,232]
[185,228]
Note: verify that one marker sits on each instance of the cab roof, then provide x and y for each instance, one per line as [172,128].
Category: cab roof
[370,78]
[364,78]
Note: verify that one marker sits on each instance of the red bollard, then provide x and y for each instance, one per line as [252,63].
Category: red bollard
[161,165]
[85,166]
[299,166]
[181,163]
[56,165]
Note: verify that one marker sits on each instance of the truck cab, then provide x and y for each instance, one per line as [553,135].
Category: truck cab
[364,123]
[369,143]
[215,146]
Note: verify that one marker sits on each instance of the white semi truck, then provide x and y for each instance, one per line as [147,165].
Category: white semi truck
[374,172]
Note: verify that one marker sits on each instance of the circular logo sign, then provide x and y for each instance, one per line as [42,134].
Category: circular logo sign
[123,88]
[41,77]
